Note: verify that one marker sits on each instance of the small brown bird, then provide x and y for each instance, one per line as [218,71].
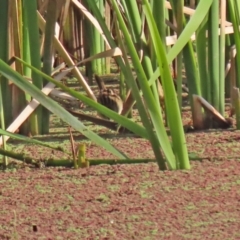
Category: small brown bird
[107,97]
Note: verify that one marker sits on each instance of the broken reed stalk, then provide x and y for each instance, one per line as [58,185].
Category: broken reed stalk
[82,161]
[73,148]
[209,118]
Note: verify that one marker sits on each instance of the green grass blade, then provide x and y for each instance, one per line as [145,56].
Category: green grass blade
[48,53]
[222,44]
[5,97]
[201,50]
[30,140]
[213,54]
[193,24]
[4,51]
[234,19]
[31,21]
[173,111]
